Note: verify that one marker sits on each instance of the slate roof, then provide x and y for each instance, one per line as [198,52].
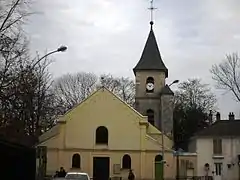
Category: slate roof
[221,128]
[166,90]
[151,58]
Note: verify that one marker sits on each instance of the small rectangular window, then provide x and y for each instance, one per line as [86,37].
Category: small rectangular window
[217,146]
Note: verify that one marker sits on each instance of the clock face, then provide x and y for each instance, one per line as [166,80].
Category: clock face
[150,86]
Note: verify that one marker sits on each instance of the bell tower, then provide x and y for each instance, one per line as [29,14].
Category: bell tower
[150,74]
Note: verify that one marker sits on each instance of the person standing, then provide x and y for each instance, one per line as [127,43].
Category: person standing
[56,174]
[62,172]
[131,175]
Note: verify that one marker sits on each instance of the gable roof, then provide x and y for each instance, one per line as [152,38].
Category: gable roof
[55,130]
[151,128]
[221,128]
[114,95]
[151,58]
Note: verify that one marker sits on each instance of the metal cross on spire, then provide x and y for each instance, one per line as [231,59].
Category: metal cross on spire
[152,8]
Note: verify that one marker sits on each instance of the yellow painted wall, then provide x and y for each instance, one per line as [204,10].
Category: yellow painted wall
[129,132]
[115,158]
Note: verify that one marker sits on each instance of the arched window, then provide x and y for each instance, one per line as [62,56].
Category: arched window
[101,135]
[76,161]
[150,80]
[150,85]
[158,158]
[150,115]
[126,162]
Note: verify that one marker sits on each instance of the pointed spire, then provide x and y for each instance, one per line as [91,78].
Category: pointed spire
[151,58]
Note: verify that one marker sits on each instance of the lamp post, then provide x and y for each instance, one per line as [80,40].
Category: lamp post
[41,151]
[162,130]
[174,82]
[60,49]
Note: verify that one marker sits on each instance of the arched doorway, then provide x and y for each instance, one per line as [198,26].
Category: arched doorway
[158,167]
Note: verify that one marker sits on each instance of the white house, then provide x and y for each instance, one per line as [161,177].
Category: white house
[218,149]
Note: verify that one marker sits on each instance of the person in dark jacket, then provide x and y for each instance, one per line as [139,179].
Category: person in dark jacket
[62,172]
[56,174]
[131,175]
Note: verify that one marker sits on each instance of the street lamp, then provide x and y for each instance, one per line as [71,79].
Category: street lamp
[60,49]
[174,82]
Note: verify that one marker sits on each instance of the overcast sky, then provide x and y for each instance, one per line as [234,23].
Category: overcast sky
[108,36]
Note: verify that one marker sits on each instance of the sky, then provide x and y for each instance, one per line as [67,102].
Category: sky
[108,36]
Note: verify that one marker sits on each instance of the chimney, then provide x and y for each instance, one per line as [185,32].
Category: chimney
[231,116]
[218,116]
[210,117]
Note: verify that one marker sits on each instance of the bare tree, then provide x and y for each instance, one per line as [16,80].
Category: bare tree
[13,44]
[227,74]
[121,86]
[26,103]
[71,89]
[194,99]
[195,94]
[12,15]
[13,56]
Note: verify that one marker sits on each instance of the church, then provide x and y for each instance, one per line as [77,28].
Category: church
[105,137]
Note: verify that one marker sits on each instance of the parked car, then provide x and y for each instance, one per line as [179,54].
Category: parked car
[77,176]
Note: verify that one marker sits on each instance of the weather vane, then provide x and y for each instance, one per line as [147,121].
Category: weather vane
[152,8]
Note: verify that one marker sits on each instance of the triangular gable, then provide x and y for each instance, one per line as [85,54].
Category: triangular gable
[144,118]
[150,128]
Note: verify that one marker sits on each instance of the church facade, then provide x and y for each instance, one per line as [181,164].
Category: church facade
[105,137]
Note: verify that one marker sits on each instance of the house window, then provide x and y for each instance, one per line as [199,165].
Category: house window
[217,146]
[218,169]
[150,115]
[101,135]
[126,162]
[76,161]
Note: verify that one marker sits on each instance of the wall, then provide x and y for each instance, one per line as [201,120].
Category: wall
[65,160]
[167,114]
[126,132]
[141,77]
[103,109]
[145,101]
[230,148]
[185,169]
